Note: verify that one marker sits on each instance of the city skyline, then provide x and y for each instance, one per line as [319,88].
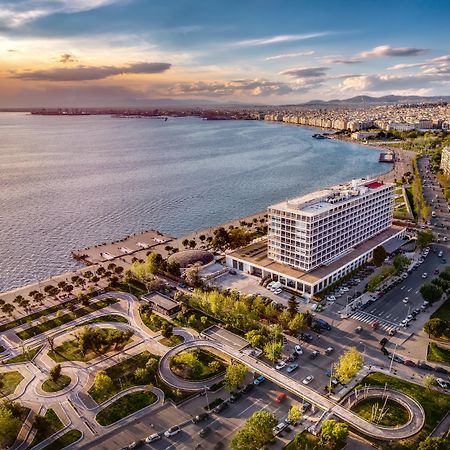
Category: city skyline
[131,52]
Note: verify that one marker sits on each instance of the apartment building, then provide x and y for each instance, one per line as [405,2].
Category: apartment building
[445,161]
[318,238]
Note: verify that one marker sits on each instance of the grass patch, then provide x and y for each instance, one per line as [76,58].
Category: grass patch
[36,315]
[65,440]
[438,354]
[24,357]
[395,415]
[65,318]
[306,441]
[135,287]
[172,341]
[124,406]
[435,404]
[55,386]
[53,424]
[197,364]
[123,376]
[10,380]
[107,318]
[152,320]
[71,351]
[443,312]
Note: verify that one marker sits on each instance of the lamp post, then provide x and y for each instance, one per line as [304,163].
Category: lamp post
[392,358]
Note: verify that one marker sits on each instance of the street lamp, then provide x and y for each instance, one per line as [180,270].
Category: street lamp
[392,358]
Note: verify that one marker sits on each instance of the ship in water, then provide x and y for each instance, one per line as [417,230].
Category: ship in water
[319,136]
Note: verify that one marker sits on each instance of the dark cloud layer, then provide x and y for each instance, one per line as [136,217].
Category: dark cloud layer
[308,72]
[89,73]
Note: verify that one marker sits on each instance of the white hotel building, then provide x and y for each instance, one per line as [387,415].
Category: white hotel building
[318,238]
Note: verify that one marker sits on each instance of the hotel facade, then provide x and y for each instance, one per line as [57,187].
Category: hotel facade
[318,238]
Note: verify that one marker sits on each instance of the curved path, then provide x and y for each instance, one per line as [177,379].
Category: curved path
[296,387]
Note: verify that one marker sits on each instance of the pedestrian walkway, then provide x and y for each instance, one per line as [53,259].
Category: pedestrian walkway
[368,318]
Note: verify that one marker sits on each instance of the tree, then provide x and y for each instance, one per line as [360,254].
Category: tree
[235,376]
[185,243]
[299,323]
[192,277]
[103,383]
[9,424]
[55,372]
[256,431]
[167,330]
[401,263]
[154,262]
[273,350]
[430,292]
[151,366]
[333,432]
[424,238]
[292,306]
[441,282]
[429,381]
[434,443]
[257,338]
[215,366]
[436,327]
[349,364]
[379,255]
[141,375]
[295,414]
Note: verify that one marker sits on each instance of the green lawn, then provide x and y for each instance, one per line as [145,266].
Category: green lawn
[443,312]
[122,376]
[435,404]
[36,315]
[307,441]
[134,286]
[10,381]
[153,321]
[124,406]
[54,424]
[55,386]
[179,364]
[395,415]
[70,351]
[437,353]
[171,342]
[107,318]
[65,440]
[65,318]
[23,357]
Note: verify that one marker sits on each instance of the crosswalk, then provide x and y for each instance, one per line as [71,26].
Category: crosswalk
[368,318]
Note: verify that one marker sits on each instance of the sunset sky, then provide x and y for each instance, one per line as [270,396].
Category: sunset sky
[133,52]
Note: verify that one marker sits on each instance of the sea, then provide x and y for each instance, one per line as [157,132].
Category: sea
[70,182]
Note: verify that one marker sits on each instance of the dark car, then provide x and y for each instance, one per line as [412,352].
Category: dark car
[424,366]
[235,396]
[314,354]
[248,388]
[200,417]
[204,432]
[409,363]
[441,370]
[306,337]
[220,407]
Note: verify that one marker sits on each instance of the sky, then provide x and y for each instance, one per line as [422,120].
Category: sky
[62,53]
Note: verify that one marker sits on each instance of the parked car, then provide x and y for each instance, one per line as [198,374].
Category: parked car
[308,379]
[442,383]
[279,428]
[298,350]
[204,432]
[307,337]
[441,370]
[172,431]
[248,388]
[280,397]
[314,354]
[329,350]
[358,329]
[259,380]
[280,365]
[136,444]
[424,275]
[235,396]
[409,363]
[200,417]
[152,438]
[424,366]
[292,367]
[220,407]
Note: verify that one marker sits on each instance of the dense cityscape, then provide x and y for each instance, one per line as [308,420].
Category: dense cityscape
[303,302]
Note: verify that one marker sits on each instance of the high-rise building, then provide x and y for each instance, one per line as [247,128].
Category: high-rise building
[312,230]
[445,161]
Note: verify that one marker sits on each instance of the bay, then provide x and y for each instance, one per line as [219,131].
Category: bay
[70,182]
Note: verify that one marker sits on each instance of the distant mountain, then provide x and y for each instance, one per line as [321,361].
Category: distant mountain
[367,99]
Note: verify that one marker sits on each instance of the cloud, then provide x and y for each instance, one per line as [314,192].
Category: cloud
[289,55]
[341,60]
[306,72]
[15,13]
[67,58]
[89,73]
[257,87]
[387,50]
[278,39]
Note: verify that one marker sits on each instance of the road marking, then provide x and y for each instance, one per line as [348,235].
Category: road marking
[246,409]
[389,315]
[416,292]
[403,287]
[410,289]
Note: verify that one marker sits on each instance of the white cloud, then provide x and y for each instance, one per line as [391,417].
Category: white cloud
[277,39]
[18,12]
[387,50]
[289,55]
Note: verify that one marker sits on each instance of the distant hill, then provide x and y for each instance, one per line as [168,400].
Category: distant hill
[367,99]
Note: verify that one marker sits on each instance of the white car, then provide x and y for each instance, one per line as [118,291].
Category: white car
[270,284]
[308,379]
[424,275]
[278,291]
[172,431]
[405,300]
[152,438]
[344,289]
[442,383]
[280,365]
[298,350]
[279,428]
[331,298]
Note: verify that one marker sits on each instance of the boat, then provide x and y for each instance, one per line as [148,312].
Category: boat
[319,136]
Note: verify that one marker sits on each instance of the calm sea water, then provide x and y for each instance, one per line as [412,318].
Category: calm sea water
[69,182]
